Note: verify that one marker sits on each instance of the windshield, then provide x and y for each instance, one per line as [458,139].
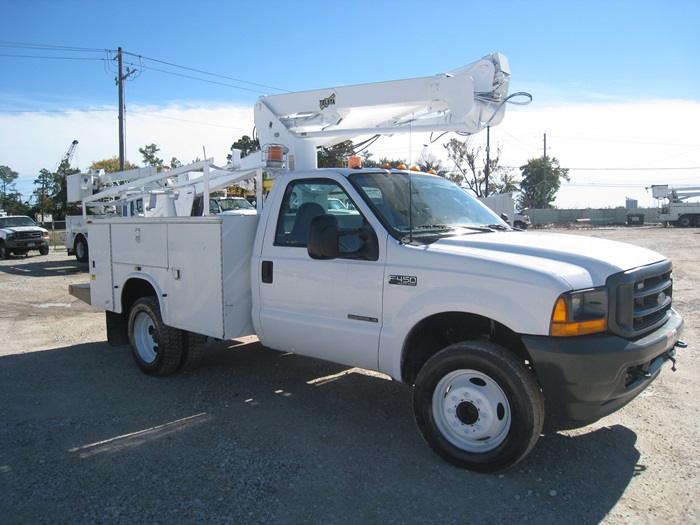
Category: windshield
[235,204]
[13,222]
[437,205]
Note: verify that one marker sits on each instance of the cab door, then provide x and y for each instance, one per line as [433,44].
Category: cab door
[329,309]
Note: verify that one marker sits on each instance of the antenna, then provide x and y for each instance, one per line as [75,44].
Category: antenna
[410,207]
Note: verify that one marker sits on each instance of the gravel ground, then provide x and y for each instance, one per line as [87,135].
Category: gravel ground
[257,436]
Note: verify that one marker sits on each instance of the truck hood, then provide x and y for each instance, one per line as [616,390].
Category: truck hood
[18,229]
[581,261]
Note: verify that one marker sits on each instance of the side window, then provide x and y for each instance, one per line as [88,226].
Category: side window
[305,199]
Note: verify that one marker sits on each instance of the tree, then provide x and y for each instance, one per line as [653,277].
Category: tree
[149,155]
[541,180]
[428,161]
[368,162]
[51,193]
[336,156]
[8,188]
[246,145]
[469,170]
[111,165]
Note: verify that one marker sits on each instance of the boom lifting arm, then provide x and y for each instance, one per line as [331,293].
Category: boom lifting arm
[465,100]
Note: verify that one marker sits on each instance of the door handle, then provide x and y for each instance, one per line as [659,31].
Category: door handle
[267,272]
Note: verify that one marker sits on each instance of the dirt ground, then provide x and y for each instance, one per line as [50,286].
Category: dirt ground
[257,436]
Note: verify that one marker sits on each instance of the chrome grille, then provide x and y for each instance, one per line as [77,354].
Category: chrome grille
[29,235]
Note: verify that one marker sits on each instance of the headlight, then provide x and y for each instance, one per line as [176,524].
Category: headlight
[11,236]
[579,313]
[45,235]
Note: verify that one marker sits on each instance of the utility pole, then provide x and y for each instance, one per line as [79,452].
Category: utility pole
[545,146]
[121,77]
[488,161]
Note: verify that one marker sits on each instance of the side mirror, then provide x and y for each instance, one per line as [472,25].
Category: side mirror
[322,242]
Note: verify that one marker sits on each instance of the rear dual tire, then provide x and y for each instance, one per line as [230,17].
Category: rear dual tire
[157,348]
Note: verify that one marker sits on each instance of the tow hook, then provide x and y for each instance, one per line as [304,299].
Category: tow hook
[672,352]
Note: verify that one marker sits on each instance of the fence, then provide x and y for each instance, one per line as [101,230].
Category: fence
[597,217]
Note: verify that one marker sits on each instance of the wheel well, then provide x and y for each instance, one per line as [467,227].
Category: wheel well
[133,290]
[441,330]
[118,324]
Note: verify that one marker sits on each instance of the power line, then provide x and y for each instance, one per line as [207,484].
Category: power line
[21,45]
[184,120]
[50,57]
[201,79]
[55,110]
[140,57]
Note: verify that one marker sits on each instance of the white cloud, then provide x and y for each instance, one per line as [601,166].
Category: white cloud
[32,141]
[649,137]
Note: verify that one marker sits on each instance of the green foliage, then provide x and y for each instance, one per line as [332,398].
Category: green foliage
[246,145]
[335,156]
[51,193]
[541,181]
[8,191]
[149,155]
[111,165]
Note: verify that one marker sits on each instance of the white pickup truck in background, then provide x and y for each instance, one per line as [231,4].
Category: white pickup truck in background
[394,271]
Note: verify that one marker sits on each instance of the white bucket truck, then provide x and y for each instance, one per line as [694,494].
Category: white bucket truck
[491,326]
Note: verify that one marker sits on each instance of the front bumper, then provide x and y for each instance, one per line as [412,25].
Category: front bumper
[26,245]
[586,378]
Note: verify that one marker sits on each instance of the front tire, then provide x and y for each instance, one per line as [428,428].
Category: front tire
[156,347]
[4,252]
[43,250]
[478,406]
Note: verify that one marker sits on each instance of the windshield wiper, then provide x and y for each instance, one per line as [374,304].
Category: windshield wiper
[498,227]
[432,226]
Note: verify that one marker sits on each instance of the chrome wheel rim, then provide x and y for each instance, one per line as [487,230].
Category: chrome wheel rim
[471,411]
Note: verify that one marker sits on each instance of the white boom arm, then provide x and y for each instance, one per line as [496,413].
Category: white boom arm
[465,100]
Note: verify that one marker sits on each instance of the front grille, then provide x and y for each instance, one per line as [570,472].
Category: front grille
[29,235]
[640,299]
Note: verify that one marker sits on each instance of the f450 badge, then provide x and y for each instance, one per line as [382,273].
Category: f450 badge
[403,280]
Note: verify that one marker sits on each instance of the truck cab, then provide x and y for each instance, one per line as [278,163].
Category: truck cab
[19,234]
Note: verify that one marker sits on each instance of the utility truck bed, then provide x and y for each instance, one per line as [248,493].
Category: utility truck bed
[200,264]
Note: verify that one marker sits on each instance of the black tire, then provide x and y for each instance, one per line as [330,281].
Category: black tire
[156,347]
[495,409]
[685,221]
[519,225]
[192,349]
[697,221]
[43,250]
[4,252]
[80,246]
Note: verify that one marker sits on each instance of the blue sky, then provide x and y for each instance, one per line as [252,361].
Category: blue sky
[603,75]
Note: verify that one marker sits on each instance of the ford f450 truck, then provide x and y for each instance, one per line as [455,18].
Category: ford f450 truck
[492,327]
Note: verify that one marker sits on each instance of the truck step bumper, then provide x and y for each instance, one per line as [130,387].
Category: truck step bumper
[81,291]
